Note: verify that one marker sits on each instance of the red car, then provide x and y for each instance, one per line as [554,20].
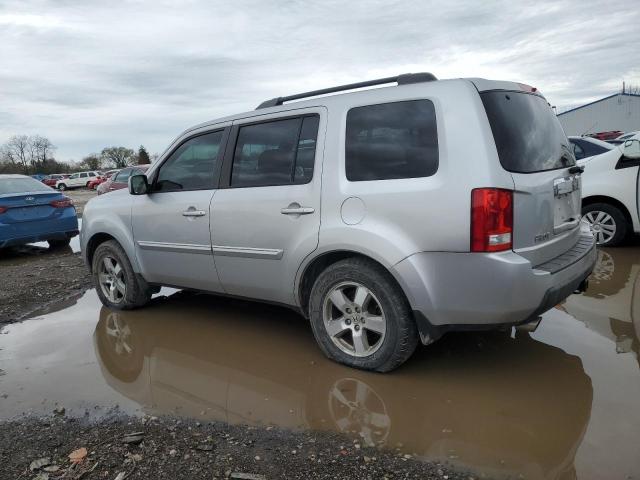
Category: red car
[120,179]
[93,184]
[50,180]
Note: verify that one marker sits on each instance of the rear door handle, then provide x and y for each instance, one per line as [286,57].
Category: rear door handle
[297,210]
[192,212]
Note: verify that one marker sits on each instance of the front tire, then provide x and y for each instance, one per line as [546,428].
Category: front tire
[62,187]
[606,222]
[360,316]
[117,284]
[53,244]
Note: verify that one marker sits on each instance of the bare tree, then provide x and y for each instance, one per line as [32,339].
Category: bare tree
[120,157]
[17,151]
[41,150]
[91,162]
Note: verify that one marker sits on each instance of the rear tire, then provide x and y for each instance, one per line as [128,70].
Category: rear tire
[62,187]
[118,286]
[388,335]
[59,243]
[606,222]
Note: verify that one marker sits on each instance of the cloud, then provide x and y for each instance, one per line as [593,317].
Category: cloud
[88,74]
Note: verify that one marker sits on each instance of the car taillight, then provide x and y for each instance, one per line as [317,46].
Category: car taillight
[3,209]
[64,203]
[491,220]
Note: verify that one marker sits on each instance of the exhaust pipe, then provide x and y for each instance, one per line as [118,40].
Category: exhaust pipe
[529,326]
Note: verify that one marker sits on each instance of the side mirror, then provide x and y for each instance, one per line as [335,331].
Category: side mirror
[138,185]
[631,149]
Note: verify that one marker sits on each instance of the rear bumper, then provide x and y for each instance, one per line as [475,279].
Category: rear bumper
[467,291]
[65,226]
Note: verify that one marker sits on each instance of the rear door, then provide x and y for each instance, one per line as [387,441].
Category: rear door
[532,146]
[266,218]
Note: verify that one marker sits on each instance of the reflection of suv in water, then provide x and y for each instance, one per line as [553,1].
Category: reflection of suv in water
[385,216]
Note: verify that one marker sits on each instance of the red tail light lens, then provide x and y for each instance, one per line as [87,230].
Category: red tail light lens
[491,220]
[3,209]
[63,203]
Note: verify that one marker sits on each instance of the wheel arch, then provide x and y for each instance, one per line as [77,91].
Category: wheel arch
[315,265]
[611,201]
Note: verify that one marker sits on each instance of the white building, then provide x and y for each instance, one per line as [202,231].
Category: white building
[620,111]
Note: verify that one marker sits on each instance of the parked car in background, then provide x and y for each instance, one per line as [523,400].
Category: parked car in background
[625,136]
[377,214]
[606,135]
[103,177]
[611,194]
[51,180]
[77,180]
[33,212]
[584,147]
[119,179]
[38,176]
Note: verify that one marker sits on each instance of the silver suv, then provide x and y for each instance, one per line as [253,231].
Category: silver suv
[385,216]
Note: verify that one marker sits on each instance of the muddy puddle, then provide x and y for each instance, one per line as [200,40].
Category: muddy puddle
[557,404]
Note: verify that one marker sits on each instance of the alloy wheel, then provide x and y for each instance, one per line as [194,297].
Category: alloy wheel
[602,226]
[112,280]
[354,319]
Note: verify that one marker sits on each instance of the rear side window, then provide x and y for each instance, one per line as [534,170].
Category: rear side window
[527,134]
[280,152]
[391,141]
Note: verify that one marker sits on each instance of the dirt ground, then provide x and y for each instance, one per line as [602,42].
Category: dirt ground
[174,449]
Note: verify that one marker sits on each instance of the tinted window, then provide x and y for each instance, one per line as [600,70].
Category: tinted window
[527,133]
[123,176]
[281,152]
[22,185]
[83,175]
[577,150]
[391,140]
[591,149]
[192,166]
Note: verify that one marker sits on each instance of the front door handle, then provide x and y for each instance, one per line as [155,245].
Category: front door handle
[192,212]
[296,209]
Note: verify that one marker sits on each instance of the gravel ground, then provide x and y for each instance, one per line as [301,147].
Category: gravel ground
[32,281]
[178,449]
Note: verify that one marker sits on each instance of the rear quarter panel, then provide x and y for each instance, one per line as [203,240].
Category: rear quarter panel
[405,216]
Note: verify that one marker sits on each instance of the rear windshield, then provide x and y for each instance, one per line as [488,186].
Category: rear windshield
[528,135]
[21,185]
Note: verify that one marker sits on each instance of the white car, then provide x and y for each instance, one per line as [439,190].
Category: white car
[77,180]
[611,194]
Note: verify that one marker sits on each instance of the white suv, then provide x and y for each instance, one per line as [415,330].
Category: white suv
[386,216]
[77,180]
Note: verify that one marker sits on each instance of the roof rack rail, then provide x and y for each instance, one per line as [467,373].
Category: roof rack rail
[403,79]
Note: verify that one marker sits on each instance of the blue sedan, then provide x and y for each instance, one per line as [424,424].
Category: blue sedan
[30,212]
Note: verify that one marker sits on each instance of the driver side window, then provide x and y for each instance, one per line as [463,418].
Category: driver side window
[192,165]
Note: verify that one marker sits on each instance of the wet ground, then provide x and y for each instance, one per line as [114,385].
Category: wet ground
[559,403]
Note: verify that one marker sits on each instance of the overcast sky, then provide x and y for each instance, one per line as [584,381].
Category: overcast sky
[93,74]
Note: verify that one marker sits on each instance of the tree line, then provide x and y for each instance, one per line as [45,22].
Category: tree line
[31,154]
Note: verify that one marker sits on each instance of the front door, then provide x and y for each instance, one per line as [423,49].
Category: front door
[266,219]
[171,224]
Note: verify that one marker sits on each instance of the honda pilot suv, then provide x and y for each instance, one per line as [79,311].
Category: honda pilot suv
[386,216]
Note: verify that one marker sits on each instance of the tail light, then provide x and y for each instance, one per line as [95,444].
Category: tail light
[3,209]
[491,220]
[63,203]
